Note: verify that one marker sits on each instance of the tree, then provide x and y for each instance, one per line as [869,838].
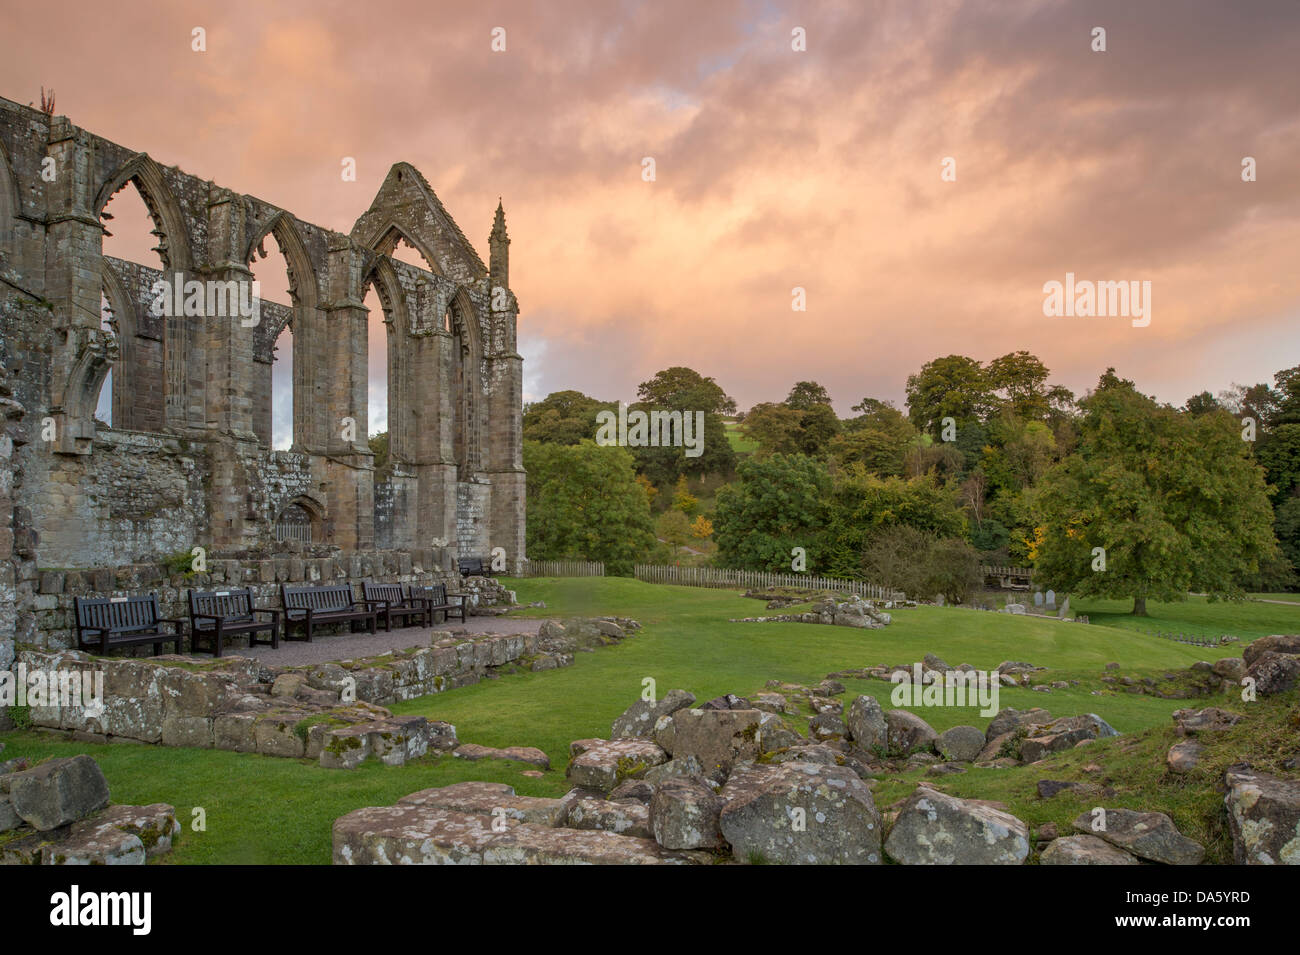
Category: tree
[674,529]
[878,439]
[921,564]
[806,394]
[775,428]
[1203,403]
[702,528]
[1020,381]
[954,387]
[686,390]
[778,503]
[584,503]
[861,505]
[683,499]
[1153,503]
[563,417]
[379,448]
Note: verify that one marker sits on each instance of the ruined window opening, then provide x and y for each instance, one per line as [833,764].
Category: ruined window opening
[109,397]
[282,387]
[380,377]
[277,392]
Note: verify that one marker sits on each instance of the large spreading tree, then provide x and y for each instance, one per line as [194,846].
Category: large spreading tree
[1154,503]
[584,502]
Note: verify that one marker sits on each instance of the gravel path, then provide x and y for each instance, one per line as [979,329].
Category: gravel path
[343,645]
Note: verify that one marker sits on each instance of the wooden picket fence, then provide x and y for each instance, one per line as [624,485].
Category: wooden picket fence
[563,568]
[755,579]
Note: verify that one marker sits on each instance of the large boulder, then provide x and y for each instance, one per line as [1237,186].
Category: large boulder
[58,792]
[907,733]
[684,814]
[960,744]
[624,818]
[1263,817]
[639,719]
[800,813]
[606,763]
[1284,643]
[717,738]
[934,828]
[1148,835]
[1084,850]
[866,724]
[1062,734]
[1274,672]
[424,835]
[1009,720]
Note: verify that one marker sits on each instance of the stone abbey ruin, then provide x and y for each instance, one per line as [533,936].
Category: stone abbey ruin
[188,461]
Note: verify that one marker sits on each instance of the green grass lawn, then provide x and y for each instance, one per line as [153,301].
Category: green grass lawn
[261,809]
[737,439]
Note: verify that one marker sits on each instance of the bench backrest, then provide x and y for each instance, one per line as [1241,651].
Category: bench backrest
[123,614]
[235,606]
[389,592]
[471,566]
[298,599]
[434,593]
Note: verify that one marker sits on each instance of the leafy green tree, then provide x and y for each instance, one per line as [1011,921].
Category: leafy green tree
[778,503]
[863,504]
[686,390]
[775,428]
[1175,503]
[674,529]
[683,499]
[563,417]
[379,448]
[878,439]
[954,387]
[1203,403]
[806,394]
[584,503]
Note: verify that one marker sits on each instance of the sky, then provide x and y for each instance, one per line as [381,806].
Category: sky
[775,168]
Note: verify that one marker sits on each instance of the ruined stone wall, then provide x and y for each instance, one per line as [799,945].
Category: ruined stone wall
[188,460]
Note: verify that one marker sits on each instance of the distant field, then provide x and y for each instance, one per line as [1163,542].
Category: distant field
[736,438]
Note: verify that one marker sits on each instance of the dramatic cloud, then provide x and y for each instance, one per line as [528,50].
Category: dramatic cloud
[775,168]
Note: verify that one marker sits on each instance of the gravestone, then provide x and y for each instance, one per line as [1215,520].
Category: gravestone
[1051,600]
[1038,598]
[1064,612]
[938,601]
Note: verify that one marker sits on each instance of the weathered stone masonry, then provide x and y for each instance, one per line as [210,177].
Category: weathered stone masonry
[188,460]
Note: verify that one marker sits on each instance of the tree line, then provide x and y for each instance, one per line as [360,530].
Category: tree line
[1110,494]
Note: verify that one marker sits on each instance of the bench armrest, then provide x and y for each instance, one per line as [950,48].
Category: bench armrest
[169,620]
[271,611]
[205,616]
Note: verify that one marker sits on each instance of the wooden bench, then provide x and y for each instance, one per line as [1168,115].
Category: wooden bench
[392,603]
[438,600]
[473,566]
[104,623]
[311,606]
[218,614]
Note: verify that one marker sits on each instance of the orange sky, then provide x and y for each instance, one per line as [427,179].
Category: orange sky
[775,168]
